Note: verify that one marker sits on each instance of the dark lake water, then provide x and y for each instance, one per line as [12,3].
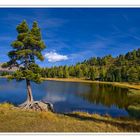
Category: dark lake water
[70,96]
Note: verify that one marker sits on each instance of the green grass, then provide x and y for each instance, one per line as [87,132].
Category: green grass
[134,97]
[15,120]
[134,110]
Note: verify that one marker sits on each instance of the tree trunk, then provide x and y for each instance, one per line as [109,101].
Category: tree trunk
[29,91]
[35,105]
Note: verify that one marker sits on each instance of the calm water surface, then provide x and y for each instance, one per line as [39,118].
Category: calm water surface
[70,96]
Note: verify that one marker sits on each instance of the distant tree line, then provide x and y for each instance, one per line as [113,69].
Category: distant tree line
[124,68]
[119,69]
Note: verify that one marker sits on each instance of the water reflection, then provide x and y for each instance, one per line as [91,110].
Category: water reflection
[70,96]
[107,95]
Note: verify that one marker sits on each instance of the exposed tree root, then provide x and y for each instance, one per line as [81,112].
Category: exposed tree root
[37,106]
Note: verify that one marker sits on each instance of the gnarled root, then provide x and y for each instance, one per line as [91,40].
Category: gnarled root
[37,106]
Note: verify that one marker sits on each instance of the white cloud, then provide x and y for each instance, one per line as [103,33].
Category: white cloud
[55,57]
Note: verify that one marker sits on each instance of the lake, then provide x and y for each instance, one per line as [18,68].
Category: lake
[70,96]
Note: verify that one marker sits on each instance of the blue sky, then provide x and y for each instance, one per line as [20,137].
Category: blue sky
[74,34]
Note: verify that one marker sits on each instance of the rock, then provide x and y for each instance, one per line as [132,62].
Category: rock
[49,105]
[106,115]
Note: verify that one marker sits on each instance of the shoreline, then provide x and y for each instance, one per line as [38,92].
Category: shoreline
[120,84]
[131,85]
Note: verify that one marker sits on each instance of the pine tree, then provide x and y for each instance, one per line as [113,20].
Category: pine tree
[66,72]
[133,75]
[27,48]
[93,73]
[103,73]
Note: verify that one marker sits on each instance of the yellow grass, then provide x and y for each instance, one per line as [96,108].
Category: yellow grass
[121,84]
[16,120]
[132,85]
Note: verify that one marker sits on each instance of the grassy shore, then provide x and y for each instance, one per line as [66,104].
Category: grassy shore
[132,85]
[16,120]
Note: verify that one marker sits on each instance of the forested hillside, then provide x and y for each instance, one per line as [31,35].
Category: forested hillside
[122,68]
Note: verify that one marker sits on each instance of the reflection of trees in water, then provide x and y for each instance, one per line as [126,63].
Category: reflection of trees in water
[107,95]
